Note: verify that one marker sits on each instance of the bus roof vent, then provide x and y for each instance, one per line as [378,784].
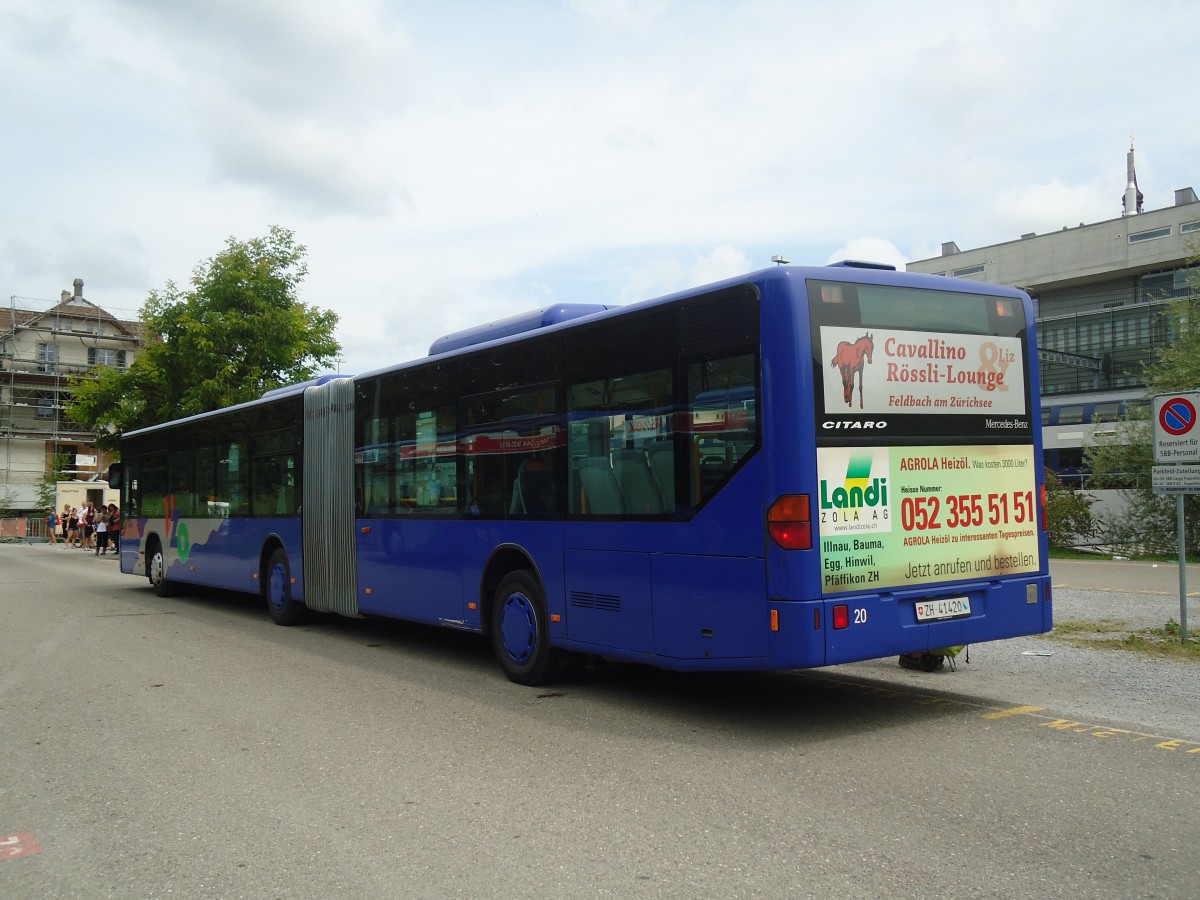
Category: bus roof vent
[530,321]
[863,264]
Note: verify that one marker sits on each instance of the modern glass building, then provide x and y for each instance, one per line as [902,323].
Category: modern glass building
[1100,292]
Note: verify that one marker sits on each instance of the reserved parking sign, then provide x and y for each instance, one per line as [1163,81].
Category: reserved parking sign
[1176,437]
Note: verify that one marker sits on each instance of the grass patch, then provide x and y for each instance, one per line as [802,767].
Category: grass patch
[1111,634]
[1066,553]
[1082,629]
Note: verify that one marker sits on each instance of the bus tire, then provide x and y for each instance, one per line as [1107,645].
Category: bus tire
[277,591]
[520,631]
[156,571]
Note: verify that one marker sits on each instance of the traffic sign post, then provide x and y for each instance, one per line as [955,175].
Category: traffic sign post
[1176,441]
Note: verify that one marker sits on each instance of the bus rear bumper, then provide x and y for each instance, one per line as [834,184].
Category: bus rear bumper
[805,634]
[874,626]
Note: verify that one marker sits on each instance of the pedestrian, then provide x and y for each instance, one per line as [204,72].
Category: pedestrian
[101,529]
[89,525]
[73,528]
[52,525]
[114,527]
[65,521]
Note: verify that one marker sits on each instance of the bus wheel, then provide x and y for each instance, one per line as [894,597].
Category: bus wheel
[277,588]
[156,572]
[520,631]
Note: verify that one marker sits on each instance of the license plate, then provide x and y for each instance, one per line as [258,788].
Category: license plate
[945,608]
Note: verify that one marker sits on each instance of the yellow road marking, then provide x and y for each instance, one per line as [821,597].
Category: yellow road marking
[1182,746]
[1015,711]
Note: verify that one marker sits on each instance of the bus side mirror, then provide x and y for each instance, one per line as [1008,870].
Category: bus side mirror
[114,476]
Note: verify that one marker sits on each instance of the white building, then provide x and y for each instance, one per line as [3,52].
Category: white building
[44,347]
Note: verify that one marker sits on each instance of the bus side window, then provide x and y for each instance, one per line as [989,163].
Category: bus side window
[372,485]
[638,486]
[615,422]
[372,457]
[599,493]
[661,456]
[233,478]
[275,485]
[406,444]
[152,487]
[131,479]
[535,489]
[512,448]
[723,410]
[426,449]
[182,467]
[206,486]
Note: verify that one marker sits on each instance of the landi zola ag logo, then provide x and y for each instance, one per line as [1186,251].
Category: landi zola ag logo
[854,489]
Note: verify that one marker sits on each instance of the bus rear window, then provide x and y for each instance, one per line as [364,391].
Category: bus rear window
[881,306]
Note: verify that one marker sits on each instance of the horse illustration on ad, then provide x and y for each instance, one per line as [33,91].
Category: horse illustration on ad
[849,360]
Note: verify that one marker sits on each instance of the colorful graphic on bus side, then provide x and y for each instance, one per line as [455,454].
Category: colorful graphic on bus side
[898,516]
[886,371]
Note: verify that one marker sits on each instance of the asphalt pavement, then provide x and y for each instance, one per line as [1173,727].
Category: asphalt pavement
[188,747]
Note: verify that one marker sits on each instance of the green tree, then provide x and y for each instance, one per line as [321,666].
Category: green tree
[1124,460]
[238,330]
[47,486]
[1068,513]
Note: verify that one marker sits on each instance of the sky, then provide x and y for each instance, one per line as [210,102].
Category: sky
[451,163]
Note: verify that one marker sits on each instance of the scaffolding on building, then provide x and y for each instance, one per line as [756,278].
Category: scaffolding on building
[45,348]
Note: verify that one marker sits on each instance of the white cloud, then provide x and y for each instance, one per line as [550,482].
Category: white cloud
[723,262]
[445,171]
[668,274]
[622,17]
[1044,207]
[870,249]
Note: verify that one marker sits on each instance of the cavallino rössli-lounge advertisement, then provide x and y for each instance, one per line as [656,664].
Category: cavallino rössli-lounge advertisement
[896,516]
[921,372]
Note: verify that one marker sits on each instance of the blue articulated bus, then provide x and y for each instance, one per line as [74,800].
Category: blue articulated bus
[794,468]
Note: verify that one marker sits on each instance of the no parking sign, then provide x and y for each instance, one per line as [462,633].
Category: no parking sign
[1176,435]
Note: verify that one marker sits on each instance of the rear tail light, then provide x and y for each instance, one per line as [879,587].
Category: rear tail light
[841,617]
[789,522]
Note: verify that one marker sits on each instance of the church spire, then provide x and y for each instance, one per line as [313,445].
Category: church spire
[1131,203]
